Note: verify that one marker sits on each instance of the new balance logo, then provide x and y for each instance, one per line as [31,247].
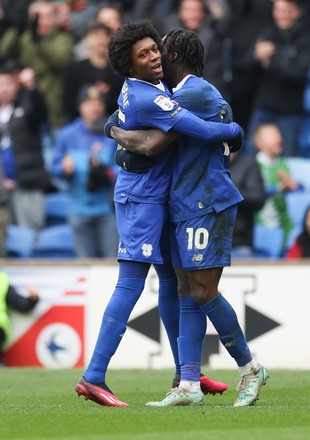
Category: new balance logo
[197,257]
[122,250]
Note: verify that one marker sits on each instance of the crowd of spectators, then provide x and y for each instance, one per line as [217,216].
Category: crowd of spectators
[53,58]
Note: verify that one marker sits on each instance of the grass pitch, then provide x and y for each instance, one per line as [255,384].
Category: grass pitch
[41,404]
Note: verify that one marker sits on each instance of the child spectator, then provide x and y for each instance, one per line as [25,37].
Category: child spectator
[84,156]
[269,143]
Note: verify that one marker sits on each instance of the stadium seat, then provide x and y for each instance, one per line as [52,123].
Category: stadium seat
[292,236]
[56,208]
[299,169]
[267,242]
[19,242]
[55,242]
[297,203]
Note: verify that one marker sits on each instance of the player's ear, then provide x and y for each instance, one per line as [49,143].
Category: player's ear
[172,57]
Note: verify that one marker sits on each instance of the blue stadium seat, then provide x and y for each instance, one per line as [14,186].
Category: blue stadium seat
[299,169]
[292,236]
[267,242]
[19,242]
[56,208]
[55,242]
[297,203]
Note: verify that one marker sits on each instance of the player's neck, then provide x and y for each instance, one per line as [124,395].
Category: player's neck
[179,75]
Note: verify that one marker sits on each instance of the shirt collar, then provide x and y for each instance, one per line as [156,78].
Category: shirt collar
[158,86]
[181,83]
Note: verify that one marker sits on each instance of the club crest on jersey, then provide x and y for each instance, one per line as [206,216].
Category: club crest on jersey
[165,103]
[147,249]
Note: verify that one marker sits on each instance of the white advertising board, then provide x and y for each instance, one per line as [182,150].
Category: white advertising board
[271,300]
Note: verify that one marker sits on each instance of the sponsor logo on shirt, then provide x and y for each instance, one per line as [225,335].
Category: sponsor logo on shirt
[147,249]
[176,111]
[165,103]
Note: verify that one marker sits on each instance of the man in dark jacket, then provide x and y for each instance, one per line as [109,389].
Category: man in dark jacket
[282,57]
[22,113]
[246,175]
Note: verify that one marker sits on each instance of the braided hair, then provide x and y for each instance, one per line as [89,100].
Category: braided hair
[188,47]
[120,45]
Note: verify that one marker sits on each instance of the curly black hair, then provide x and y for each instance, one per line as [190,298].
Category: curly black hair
[120,46]
[188,47]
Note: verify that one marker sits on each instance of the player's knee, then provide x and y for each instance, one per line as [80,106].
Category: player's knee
[202,294]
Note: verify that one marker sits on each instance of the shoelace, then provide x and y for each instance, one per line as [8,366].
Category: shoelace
[245,381]
[172,391]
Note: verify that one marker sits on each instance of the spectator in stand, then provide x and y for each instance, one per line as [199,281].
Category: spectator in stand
[111,15]
[47,50]
[95,69]
[22,113]
[277,180]
[3,213]
[13,13]
[250,17]
[153,9]
[75,15]
[301,247]
[84,156]
[10,298]
[213,31]
[247,177]
[283,58]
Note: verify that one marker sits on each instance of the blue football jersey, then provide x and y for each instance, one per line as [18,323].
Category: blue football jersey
[144,105]
[201,179]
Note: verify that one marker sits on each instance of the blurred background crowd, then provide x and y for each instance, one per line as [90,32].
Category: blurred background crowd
[57,89]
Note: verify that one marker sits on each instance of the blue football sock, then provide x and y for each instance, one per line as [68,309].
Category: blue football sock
[193,327]
[169,309]
[114,322]
[225,322]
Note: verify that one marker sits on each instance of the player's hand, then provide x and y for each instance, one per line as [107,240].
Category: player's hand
[27,78]
[226,113]
[236,143]
[68,164]
[112,121]
[33,293]
[132,162]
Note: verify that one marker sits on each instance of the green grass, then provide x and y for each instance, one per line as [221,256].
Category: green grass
[41,404]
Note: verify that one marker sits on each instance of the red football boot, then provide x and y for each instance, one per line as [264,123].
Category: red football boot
[100,395]
[208,386]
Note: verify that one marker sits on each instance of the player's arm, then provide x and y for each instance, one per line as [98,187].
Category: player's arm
[192,126]
[146,142]
[150,142]
[153,141]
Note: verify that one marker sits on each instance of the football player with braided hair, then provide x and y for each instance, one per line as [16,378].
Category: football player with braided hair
[202,203]
[141,202]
